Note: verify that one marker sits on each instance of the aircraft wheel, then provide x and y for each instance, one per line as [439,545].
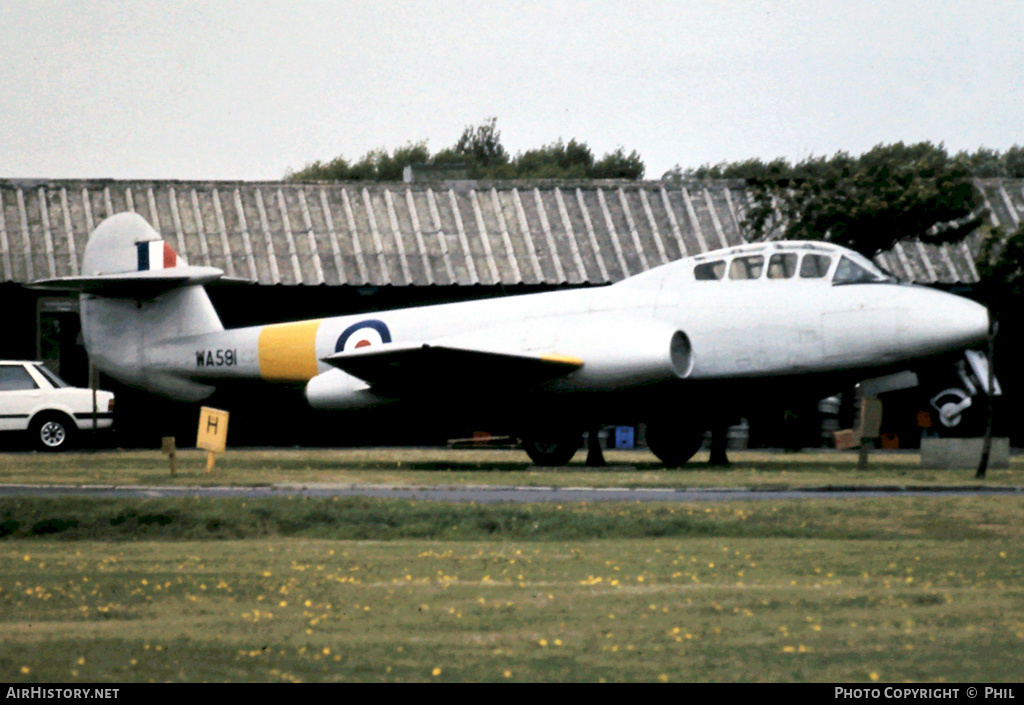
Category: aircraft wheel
[958,414]
[52,432]
[674,443]
[552,452]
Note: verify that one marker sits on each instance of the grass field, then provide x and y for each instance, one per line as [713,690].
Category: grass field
[861,590]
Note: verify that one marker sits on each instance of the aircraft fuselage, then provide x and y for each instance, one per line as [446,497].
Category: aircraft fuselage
[733,328]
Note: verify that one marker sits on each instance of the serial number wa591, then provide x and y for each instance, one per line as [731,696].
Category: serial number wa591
[216,358]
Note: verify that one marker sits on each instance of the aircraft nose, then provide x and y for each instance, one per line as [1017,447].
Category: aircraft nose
[952,322]
[970,320]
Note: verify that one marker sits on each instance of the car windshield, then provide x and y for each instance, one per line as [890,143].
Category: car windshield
[56,381]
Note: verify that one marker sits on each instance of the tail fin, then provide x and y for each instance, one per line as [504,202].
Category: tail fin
[126,258]
[135,293]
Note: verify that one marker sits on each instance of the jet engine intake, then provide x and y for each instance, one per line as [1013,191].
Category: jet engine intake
[630,353]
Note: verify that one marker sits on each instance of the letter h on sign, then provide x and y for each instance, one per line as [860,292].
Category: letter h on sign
[213,429]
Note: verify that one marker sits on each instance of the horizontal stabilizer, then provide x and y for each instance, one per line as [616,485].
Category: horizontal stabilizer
[144,284]
[397,367]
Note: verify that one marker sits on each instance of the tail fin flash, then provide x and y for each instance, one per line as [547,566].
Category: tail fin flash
[156,254]
[136,292]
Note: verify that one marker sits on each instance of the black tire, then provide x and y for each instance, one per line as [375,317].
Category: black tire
[552,452]
[674,443]
[52,432]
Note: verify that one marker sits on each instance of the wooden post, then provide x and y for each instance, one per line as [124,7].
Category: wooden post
[210,459]
[870,427]
[93,385]
[862,454]
[168,446]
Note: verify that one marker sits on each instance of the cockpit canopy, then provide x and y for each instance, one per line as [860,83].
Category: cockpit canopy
[789,260]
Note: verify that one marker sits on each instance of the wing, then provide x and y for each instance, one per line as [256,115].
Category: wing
[404,368]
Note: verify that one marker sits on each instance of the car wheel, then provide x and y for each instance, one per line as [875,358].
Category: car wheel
[52,432]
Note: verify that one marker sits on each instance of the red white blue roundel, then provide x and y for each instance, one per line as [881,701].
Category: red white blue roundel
[362,334]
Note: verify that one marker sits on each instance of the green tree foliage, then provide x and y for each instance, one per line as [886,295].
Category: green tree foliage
[749,169]
[376,165]
[619,165]
[481,146]
[1013,162]
[890,193]
[868,203]
[558,160]
[988,163]
[1001,270]
[984,163]
[479,154]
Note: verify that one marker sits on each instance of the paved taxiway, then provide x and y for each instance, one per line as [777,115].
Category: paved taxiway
[490,493]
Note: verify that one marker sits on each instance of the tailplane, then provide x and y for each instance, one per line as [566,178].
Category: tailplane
[136,292]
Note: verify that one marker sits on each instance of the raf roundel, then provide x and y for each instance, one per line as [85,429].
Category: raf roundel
[363,334]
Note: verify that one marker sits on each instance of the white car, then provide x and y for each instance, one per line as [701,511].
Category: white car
[34,399]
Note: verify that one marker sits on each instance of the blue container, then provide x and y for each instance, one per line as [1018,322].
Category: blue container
[624,437]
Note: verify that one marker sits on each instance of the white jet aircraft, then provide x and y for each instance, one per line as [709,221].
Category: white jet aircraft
[663,347]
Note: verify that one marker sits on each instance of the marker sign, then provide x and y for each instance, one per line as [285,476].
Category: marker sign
[213,430]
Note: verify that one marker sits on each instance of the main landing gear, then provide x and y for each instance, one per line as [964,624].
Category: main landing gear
[673,442]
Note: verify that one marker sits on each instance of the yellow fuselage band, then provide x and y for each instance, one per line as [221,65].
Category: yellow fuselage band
[288,351]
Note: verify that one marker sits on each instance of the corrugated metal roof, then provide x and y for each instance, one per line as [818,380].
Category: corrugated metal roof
[379,234]
[460,233]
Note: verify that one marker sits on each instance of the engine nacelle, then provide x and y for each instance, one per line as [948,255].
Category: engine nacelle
[335,390]
[620,353]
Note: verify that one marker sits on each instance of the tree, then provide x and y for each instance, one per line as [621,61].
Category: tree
[1001,272]
[868,203]
[481,145]
[619,165]
[375,165]
[749,169]
[1013,160]
[988,163]
[480,154]
[557,160]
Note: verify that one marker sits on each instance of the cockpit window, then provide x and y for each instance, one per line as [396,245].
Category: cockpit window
[746,267]
[814,266]
[709,271]
[857,271]
[782,265]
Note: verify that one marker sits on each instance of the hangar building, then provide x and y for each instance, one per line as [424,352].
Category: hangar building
[304,250]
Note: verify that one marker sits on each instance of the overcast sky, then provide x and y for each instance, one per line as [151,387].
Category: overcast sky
[246,90]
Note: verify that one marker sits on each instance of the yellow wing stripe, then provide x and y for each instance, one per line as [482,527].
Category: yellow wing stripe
[568,360]
[288,351]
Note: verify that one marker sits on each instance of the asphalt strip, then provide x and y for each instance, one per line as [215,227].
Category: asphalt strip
[495,493]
